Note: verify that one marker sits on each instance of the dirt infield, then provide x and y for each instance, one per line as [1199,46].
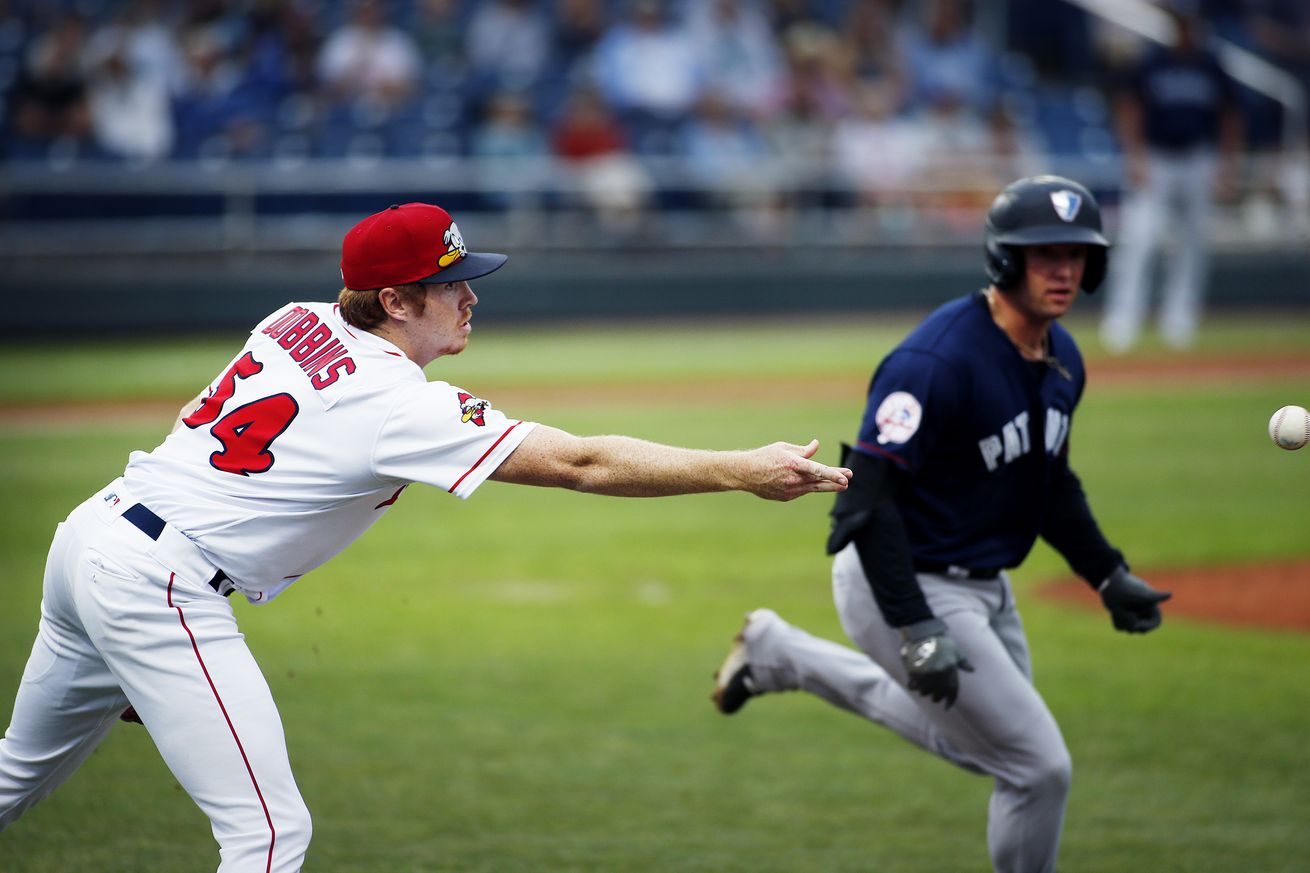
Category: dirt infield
[1195,369]
[1268,595]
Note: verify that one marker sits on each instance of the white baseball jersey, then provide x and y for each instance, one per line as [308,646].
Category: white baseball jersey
[305,440]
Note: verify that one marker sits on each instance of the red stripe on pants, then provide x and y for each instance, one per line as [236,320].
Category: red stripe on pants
[272,832]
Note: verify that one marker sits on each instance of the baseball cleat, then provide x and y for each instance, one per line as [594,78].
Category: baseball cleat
[733,683]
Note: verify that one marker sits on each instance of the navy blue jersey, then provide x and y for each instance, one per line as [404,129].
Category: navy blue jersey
[981,432]
[1182,97]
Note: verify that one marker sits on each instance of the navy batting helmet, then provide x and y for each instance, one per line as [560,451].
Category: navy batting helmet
[1036,211]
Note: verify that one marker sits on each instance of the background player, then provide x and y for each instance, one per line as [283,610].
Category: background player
[1181,129]
[962,462]
[303,442]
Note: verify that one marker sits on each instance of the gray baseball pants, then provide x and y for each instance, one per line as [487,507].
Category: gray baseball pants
[999,726]
[1188,181]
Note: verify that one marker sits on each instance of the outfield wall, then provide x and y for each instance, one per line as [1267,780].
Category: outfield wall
[206,293]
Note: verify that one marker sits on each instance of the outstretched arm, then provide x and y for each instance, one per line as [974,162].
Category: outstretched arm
[627,467]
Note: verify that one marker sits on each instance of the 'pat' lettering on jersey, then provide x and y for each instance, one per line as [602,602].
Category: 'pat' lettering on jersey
[311,345]
[1057,430]
[1014,441]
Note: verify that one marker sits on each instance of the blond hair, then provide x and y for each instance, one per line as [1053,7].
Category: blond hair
[363,309]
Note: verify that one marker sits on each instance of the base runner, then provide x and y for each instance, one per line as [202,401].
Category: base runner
[962,462]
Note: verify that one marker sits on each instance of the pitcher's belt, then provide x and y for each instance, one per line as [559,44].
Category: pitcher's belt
[153,526]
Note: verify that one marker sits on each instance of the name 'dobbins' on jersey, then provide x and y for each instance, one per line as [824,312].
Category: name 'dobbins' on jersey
[312,345]
[1014,442]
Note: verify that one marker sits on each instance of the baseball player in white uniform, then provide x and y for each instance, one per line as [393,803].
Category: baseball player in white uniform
[303,441]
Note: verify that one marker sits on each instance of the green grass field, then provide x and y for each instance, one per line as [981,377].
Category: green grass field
[520,682]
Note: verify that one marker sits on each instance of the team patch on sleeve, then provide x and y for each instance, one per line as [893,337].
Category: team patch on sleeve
[898,417]
[472,409]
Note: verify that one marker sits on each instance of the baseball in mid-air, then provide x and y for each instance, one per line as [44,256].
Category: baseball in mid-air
[1290,427]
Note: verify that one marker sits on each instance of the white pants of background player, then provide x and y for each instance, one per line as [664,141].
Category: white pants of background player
[128,619]
[1178,195]
[999,725]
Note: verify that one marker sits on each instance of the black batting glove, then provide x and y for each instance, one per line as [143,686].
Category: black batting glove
[932,660]
[1134,606]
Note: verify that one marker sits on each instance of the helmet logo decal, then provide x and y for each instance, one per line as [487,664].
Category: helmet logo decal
[1066,204]
[898,417]
[455,247]
[472,409]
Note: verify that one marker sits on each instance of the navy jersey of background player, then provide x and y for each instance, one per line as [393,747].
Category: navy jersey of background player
[981,430]
[1182,96]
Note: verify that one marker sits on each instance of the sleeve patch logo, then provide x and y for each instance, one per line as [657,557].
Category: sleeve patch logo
[898,417]
[472,409]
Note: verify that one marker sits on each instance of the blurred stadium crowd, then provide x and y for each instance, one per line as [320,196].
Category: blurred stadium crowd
[886,96]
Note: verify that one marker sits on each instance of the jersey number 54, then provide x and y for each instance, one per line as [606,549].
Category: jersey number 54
[248,431]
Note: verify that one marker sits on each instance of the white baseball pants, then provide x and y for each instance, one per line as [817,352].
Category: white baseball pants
[999,725]
[130,619]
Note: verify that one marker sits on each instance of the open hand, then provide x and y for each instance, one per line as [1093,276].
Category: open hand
[784,471]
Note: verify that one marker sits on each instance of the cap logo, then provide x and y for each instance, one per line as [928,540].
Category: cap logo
[455,249]
[1066,204]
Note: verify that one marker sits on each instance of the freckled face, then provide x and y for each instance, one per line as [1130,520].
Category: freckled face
[445,320]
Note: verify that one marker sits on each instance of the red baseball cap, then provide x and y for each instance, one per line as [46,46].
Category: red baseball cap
[416,242]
